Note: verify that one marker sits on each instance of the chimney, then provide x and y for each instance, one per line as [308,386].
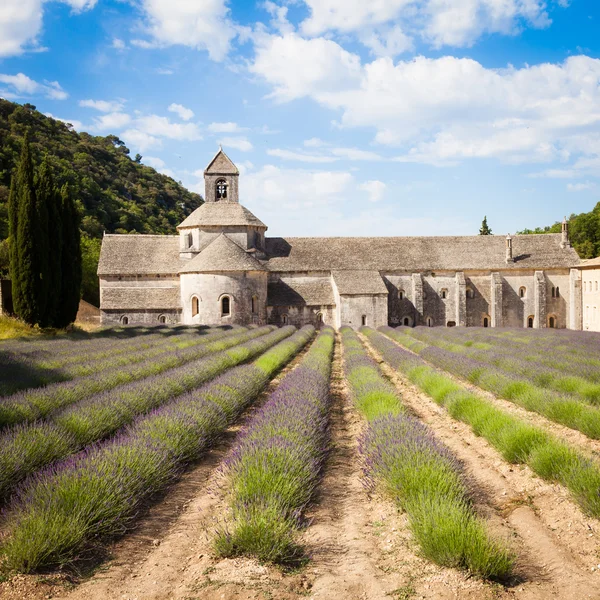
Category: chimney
[564,242]
[509,252]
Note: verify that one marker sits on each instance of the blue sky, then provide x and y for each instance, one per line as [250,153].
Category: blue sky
[346,117]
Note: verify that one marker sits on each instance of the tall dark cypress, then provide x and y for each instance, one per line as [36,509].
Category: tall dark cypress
[70,293]
[13,220]
[32,250]
[49,195]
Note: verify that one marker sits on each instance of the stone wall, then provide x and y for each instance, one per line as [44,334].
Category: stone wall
[140,317]
[371,310]
[210,289]
[245,237]
[590,286]
[301,315]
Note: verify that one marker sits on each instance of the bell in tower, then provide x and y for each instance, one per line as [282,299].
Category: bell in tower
[221,179]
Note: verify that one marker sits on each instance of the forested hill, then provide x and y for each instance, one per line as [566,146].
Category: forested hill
[584,232]
[115,193]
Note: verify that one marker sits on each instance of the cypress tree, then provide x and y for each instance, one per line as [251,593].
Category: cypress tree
[31,245]
[70,289]
[49,195]
[13,210]
[485,228]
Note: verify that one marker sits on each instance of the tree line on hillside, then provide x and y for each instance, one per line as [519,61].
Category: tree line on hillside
[43,245]
[112,191]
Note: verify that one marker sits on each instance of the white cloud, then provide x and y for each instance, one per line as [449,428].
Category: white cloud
[184,113]
[387,42]
[239,143]
[158,164]
[163,71]
[300,156]
[332,155]
[20,85]
[444,109]
[155,125]
[437,22]
[297,67]
[111,121]
[374,188]
[77,125]
[228,127]
[21,23]
[118,44]
[580,187]
[273,188]
[356,154]
[314,143]
[103,105]
[140,140]
[201,24]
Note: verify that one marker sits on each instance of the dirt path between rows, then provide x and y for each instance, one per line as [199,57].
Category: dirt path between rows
[557,544]
[573,436]
[359,545]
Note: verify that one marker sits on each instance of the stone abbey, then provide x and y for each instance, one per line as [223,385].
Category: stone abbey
[221,268]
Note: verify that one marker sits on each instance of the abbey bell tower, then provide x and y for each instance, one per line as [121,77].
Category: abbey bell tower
[221,180]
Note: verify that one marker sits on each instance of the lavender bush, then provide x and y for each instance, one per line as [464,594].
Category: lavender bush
[566,411]
[419,473]
[29,405]
[63,512]
[276,465]
[517,441]
[102,415]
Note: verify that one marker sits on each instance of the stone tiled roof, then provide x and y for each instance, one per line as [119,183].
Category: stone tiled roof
[221,164]
[140,298]
[221,214]
[485,252]
[590,262]
[298,292]
[350,283]
[223,254]
[139,254]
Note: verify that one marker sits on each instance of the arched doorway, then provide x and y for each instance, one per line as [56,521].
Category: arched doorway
[552,321]
[124,320]
[530,321]
[162,319]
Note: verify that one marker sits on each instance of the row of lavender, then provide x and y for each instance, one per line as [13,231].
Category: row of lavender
[23,371]
[562,361]
[419,473]
[61,512]
[566,410]
[26,448]
[29,405]
[276,465]
[517,441]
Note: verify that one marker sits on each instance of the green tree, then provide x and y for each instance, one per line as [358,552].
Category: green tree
[485,228]
[31,249]
[13,220]
[49,195]
[90,254]
[70,289]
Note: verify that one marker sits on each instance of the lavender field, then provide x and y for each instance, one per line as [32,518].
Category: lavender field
[412,459]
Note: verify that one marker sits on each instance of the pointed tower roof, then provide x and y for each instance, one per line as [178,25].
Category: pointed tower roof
[223,254]
[221,164]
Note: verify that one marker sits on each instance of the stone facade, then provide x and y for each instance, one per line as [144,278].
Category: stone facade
[589,286]
[222,269]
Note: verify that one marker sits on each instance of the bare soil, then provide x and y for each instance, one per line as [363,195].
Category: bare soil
[557,545]
[358,543]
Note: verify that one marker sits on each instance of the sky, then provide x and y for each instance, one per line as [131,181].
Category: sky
[345,117]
